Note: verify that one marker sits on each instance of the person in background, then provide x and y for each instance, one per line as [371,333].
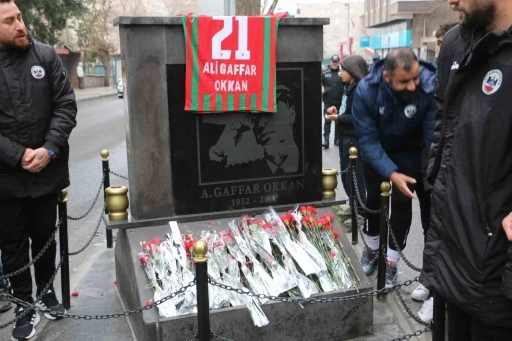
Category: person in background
[332,90]
[439,34]
[375,58]
[467,258]
[5,304]
[353,69]
[80,74]
[37,114]
[393,110]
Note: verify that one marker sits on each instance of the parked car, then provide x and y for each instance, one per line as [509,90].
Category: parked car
[120,90]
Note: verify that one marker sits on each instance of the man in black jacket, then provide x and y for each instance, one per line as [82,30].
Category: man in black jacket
[37,114]
[465,256]
[332,90]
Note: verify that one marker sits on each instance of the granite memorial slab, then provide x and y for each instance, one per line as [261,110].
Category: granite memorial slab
[181,163]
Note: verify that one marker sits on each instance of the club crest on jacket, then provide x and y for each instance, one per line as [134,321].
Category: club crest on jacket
[410,111]
[37,72]
[492,82]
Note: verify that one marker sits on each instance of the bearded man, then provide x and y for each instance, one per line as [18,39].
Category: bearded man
[393,113]
[37,114]
[470,167]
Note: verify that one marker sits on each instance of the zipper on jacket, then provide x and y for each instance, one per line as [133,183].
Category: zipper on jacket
[489,233]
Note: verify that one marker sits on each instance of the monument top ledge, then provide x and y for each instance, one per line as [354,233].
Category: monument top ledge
[138,20]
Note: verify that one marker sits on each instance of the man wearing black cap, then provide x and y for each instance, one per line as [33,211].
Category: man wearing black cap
[332,91]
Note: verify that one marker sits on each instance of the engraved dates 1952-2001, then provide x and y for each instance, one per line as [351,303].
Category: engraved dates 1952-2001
[267,199]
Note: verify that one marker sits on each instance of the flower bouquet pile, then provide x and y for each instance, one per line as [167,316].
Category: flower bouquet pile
[293,255]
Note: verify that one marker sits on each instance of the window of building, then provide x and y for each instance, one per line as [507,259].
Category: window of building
[298,10]
[324,12]
[336,32]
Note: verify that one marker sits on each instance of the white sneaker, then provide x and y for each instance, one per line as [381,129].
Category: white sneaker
[426,313]
[420,294]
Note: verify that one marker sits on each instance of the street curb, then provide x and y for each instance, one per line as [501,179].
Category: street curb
[96,97]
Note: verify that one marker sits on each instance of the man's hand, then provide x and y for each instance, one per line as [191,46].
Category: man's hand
[507,226]
[36,160]
[332,110]
[400,181]
[27,157]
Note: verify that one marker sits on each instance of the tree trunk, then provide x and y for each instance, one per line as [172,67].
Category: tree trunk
[248,7]
[105,60]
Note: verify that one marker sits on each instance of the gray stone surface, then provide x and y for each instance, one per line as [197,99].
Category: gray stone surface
[148,44]
[97,295]
[334,321]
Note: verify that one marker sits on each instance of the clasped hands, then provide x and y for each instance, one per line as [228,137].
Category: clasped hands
[332,114]
[34,160]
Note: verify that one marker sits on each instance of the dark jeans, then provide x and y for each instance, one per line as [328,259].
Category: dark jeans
[80,82]
[327,124]
[345,144]
[462,326]
[21,220]
[401,206]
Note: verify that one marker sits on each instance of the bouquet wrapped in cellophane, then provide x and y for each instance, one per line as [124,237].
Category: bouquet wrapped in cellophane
[295,255]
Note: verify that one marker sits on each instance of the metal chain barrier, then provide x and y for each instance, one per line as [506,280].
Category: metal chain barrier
[138,310]
[409,311]
[345,170]
[38,298]
[416,333]
[358,195]
[118,175]
[92,236]
[36,258]
[312,299]
[402,255]
[92,206]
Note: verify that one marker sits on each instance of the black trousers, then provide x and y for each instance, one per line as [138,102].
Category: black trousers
[327,124]
[464,327]
[22,220]
[401,206]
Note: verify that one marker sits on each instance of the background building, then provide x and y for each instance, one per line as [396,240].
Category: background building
[345,19]
[396,23]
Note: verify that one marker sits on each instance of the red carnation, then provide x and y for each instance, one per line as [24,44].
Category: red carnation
[335,234]
[144,259]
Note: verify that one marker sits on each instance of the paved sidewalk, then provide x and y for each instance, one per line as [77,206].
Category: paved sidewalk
[92,93]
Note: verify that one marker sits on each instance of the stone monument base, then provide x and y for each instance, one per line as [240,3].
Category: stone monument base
[288,321]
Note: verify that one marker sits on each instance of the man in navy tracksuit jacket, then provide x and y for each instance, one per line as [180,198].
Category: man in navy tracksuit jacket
[393,111]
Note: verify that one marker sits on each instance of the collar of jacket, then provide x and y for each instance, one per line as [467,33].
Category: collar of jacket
[350,88]
[493,42]
[427,75]
[7,51]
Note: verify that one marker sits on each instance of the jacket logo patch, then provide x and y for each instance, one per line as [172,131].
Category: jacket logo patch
[492,82]
[382,110]
[455,65]
[410,111]
[37,72]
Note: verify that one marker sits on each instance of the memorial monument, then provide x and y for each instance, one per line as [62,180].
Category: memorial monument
[195,168]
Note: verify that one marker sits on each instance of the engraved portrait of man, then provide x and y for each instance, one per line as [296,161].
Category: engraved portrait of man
[260,144]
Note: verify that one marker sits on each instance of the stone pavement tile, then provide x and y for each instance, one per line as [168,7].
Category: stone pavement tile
[382,314]
[382,332]
[97,295]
